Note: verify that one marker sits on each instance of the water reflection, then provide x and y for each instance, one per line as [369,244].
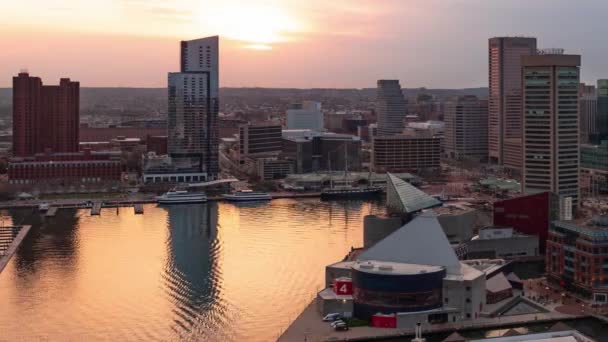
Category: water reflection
[49,238]
[191,276]
[211,272]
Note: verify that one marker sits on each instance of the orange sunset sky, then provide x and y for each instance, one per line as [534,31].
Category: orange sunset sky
[289,43]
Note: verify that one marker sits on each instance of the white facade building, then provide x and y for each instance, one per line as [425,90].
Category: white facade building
[305,115]
[551,124]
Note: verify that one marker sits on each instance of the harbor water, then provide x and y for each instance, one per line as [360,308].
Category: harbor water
[212,272]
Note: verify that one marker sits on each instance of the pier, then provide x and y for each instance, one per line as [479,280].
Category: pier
[51,212]
[139,208]
[10,239]
[96,209]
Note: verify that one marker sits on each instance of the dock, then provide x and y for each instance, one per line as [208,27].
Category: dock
[96,209]
[10,239]
[139,208]
[51,212]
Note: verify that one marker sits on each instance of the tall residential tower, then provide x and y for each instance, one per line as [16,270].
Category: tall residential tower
[551,126]
[390,107]
[505,98]
[193,110]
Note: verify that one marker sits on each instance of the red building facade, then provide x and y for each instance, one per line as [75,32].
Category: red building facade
[77,167]
[97,134]
[157,144]
[44,117]
[577,257]
[530,214]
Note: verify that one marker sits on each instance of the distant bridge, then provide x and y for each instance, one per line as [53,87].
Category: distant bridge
[211,183]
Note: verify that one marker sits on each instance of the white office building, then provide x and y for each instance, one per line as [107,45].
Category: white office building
[305,115]
[551,124]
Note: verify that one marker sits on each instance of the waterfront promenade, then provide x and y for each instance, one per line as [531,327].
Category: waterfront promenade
[125,200]
[309,327]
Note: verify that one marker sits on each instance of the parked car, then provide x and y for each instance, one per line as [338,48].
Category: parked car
[341,327]
[331,317]
[336,322]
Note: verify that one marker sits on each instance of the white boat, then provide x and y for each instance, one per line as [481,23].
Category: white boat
[247,195]
[181,196]
[43,206]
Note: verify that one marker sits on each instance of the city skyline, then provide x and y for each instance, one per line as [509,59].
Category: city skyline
[264,41]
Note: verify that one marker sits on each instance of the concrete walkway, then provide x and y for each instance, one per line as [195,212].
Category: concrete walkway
[309,327]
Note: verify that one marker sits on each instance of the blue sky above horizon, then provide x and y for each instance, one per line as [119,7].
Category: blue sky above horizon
[291,43]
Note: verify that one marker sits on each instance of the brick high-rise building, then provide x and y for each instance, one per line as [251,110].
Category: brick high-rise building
[44,117]
[505,98]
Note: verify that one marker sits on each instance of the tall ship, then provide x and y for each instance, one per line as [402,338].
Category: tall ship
[247,195]
[348,191]
[181,197]
[351,192]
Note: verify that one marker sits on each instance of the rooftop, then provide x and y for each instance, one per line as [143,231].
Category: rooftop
[395,268]
[595,228]
[486,266]
[351,176]
[498,283]
[452,209]
[420,242]
[329,294]
[404,198]
[500,184]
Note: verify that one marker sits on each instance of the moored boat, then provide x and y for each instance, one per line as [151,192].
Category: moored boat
[349,192]
[181,197]
[247,195]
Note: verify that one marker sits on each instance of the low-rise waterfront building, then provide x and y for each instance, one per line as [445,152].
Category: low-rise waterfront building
[414,276]
[163,169]
[577,256]
[274,168]
[71,167]
[502,243]
[530,214]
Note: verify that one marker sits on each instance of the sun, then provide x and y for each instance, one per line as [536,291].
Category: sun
[257,26]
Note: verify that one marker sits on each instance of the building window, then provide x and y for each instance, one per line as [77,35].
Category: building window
[468,300]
